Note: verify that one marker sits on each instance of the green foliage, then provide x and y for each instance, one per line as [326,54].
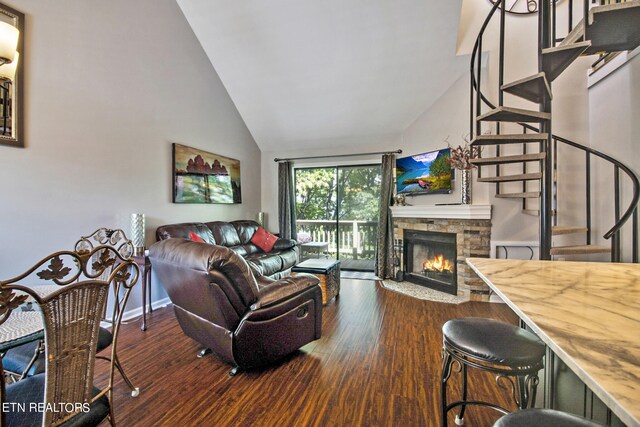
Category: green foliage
[442,182]
[357,188]
[315,193]
[440,166]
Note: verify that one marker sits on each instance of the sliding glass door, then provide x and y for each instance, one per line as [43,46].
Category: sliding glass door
[337,211]
[316,211]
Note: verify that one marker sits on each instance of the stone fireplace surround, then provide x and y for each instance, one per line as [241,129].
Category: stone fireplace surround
[472,225]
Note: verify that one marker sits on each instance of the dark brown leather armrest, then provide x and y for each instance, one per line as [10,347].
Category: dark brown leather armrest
[282,244]
[284,289]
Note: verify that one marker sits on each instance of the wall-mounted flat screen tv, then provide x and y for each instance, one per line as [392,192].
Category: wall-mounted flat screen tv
[427,173]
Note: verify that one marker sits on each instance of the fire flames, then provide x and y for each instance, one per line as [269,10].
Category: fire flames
[438,263]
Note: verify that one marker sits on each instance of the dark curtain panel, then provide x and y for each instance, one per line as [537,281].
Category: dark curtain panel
[384,247]
[286,201]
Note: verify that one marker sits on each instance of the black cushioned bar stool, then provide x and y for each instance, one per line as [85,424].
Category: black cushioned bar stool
[512,353]
[543,417]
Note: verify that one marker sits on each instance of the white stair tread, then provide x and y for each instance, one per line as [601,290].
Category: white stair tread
[532,88]
[511,178]
[556,59]
[564,229]
[511,114]
[579,250]
[513,138]
[535,212]
[526,195]
[520,158]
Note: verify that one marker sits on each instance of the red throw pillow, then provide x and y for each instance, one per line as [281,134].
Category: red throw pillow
[263,239]
[194,237]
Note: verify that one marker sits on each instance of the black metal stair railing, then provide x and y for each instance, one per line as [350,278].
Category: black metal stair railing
[477,98]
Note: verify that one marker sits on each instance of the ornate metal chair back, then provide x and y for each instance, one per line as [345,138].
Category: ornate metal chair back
[118,241]
[72,308]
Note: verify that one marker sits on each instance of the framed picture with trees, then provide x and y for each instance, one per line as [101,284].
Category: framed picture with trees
[203,177]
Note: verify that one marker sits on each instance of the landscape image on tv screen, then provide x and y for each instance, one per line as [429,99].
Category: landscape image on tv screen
[427,173]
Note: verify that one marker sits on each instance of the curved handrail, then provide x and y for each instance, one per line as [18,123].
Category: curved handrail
[632,176]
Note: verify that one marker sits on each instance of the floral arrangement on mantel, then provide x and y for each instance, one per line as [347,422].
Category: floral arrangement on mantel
[460,157]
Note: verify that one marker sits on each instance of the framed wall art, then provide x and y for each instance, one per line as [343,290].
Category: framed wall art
[203,177]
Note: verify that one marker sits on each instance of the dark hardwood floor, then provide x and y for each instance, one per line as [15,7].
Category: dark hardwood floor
[377,364]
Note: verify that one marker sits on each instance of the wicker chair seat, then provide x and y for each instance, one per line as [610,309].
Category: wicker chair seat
[17,359]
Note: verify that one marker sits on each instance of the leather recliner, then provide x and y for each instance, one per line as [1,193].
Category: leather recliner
[220,304]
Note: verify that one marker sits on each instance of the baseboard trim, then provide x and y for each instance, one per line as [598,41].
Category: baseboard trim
[137,312]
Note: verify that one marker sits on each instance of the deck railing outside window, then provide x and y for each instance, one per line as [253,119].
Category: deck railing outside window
[356,239]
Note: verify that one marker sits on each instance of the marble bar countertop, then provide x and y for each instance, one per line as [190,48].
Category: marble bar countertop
[588,313]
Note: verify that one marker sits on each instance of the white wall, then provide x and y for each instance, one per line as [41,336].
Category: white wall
[109,86]
[614,109]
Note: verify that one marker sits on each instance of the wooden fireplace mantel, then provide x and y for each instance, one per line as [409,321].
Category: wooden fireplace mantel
[442,211]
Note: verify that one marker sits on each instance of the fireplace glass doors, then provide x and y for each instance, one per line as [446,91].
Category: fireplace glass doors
[430,259]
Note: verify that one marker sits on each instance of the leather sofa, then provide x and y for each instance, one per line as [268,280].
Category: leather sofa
[237,235]
[219,302]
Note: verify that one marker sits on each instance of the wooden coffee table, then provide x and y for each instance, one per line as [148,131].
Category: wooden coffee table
[327,270]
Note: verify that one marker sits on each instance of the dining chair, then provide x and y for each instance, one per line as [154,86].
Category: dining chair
[25,360]
[64,394]
[116,239]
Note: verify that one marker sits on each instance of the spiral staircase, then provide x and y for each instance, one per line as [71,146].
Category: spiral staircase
[608,28]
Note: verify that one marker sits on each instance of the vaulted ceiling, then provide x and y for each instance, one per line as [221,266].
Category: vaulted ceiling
[309,70]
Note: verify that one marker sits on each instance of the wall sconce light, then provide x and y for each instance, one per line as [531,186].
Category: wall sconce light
[8,42]
[8,70]
[11,76]
[137,232]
